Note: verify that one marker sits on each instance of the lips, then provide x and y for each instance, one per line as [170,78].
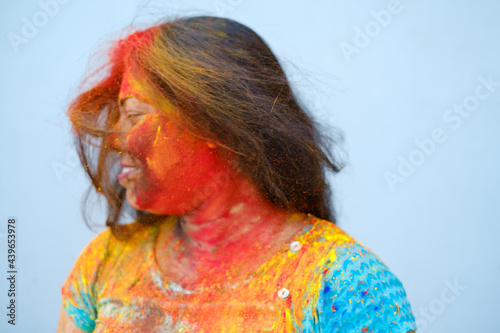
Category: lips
[128,172]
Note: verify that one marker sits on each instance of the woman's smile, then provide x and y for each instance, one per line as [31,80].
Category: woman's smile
[128,172]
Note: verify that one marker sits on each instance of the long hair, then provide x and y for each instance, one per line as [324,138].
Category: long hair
[227,87]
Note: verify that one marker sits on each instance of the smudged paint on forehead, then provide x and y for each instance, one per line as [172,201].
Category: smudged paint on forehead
[134,82]
[132,87]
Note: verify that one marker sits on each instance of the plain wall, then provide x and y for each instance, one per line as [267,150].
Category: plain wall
[392,92]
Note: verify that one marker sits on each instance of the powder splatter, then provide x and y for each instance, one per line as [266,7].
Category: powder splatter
[349,298]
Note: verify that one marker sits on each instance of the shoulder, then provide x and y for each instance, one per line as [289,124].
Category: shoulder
[106,252]
[341,252]
[357,290]
[98,243]
[103,259]
[105,243]
[92,254]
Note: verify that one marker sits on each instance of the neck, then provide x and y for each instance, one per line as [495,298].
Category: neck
[236,217]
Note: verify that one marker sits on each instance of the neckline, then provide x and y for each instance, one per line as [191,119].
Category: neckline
[170,284]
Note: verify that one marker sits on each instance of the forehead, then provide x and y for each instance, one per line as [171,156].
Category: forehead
[132,86]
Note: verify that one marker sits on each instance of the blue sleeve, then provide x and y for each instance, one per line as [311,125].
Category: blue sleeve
[78,292]
[358,293]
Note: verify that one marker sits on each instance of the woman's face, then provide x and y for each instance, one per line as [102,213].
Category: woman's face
[164,168]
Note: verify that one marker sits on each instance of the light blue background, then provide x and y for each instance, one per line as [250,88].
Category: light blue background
[439,226]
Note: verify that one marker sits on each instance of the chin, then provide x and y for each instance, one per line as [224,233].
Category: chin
[132,199]
[161,206]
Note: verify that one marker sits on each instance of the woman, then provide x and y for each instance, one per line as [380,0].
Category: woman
[195,128]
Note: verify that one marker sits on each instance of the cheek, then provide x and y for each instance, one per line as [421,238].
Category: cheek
[171,158]
[203,160]
[141,140]
[161,148]
[180,160]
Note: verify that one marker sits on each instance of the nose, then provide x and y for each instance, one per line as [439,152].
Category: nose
[117,140]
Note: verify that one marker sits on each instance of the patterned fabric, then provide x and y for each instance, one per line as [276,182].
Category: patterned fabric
[323,281]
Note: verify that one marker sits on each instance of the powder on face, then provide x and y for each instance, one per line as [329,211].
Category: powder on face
[173,165]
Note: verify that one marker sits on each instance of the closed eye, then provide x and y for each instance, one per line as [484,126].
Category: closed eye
[133,115]
[132,110]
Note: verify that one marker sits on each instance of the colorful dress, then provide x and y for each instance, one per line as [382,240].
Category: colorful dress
[322,281]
